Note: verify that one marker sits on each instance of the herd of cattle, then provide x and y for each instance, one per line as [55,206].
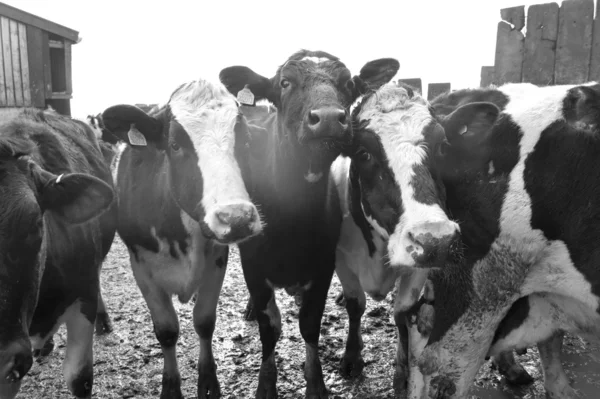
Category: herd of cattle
[481,211]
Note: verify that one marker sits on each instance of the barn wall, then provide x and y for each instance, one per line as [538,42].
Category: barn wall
[15,89]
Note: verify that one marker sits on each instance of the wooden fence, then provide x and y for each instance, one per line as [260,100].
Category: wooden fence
[433,89]
[561,45]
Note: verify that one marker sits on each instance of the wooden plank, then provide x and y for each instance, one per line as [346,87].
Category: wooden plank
[41,23]
[56,44]
[60,96]
[515,16]
[574,43]
[2,83]
[487,76]
[16,62]
[24,66]
[435,89]
[508,63]
[36,66]
[47,65]
[595,57]
[540,44]
[414,83]
[8,71]
[68,73]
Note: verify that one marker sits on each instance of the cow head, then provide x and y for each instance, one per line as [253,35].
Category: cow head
[29,193]
[397,142]
[312,92]
[203,136]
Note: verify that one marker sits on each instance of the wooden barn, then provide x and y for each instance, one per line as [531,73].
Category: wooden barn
[35,62]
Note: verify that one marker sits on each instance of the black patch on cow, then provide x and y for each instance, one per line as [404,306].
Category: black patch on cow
[561,177]
[516,315]
[81,385]
[221,261]
[581,108]
[445,103]
[356,210]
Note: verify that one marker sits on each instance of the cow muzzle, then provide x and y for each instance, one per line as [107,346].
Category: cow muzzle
[233,223]
[15,362]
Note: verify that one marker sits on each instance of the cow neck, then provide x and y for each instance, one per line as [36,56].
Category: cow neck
[354,200]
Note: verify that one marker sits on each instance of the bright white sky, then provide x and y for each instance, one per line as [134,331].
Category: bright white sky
[139,51]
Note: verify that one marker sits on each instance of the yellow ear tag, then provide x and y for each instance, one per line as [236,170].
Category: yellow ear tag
[136,137]
[245,96]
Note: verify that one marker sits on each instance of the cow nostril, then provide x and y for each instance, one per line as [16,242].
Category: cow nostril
[313,117]
[224,217]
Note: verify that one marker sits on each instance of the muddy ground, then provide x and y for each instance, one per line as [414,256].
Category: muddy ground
[128,362]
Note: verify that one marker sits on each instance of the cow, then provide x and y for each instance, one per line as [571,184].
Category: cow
[57,225]
[525,191]
[289,179]
[182,200]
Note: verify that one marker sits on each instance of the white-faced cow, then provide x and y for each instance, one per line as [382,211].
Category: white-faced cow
[525,192]
[289,179]
[54,184]
[181,199]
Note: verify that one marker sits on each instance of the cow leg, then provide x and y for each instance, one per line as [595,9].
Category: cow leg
[166,329]
[556,381]
[352,362]
[250,313]
[79,359]
[269,326]
[205,317]
[311,313]
[513,371]
[103,323]
[46,349]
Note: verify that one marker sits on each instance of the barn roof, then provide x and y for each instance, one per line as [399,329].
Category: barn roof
[38,22]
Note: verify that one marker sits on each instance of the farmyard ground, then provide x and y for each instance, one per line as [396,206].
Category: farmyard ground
[128,362]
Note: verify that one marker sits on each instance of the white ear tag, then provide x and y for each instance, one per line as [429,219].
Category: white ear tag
[245,96]
[58,178]
[136,137]
[463,130]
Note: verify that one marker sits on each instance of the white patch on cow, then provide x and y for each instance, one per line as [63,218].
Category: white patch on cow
[80,340]
[316,60]
[114,164]
[400,121]
[418,384]
[312,177]
[356,269]
[91,122]
[272,312]
[491,168]
[208,113]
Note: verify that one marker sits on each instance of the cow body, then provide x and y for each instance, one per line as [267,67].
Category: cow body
[289,180]
[181,200]
[525,191]
[60,243]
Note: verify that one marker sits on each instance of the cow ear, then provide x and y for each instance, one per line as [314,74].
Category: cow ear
[581,108]
[236,78]
[470,123]
[128,122]
[375,74]
[75,198]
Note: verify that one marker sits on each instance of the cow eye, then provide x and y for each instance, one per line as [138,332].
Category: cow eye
[175,146]
[363,155]
[442,148]
[284,83]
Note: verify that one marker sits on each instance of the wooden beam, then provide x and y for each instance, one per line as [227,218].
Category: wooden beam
[540,44]
[414,83]
[7,55]
[60,96]
[508,63]
[56,44]
[574,43]
[515,16]
[16,63]
[24,66]
[487,76]
[47,65]
[68,74]
[36,66]
[41,23]
[595,57]
[435,89]
[2,78]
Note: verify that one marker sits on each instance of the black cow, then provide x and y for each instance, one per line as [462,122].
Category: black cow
[525,192]
[53,184]
[181,199]
[289,179]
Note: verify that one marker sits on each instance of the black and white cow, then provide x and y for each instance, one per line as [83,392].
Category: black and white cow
[181,198]
[289,179]
[525,192]
[53,186]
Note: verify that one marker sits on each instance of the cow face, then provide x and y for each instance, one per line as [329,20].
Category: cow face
[29,194]
[312,92]
[202,135]
[396,144]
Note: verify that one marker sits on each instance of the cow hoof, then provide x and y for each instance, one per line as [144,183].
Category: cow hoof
[208,383]
[249,313]
[171,388]
[340,299]
[517,376]
[46,349]
[267,380]
[441,387]
[103,324]
[400,382]
[351,366]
